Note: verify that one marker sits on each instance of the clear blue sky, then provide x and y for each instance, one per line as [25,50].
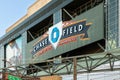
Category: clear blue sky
[11,11]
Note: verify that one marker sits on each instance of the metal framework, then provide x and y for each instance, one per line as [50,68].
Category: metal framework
[61,66]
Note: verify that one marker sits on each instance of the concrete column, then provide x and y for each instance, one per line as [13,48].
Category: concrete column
[24,43]
[57,16]
[2,57]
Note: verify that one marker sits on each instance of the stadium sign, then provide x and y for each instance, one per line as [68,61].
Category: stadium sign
[61,34]
[55,33]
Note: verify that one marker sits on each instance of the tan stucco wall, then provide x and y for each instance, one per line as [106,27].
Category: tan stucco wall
[32,9]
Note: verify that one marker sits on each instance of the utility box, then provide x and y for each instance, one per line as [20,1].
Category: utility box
[56,77]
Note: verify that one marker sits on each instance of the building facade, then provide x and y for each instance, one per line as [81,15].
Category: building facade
[59,29]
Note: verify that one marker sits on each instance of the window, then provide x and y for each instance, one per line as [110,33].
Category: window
[39,29]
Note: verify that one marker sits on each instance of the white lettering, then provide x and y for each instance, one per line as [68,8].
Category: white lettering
[75,29]
[80,27]
[71,30]
[63,32]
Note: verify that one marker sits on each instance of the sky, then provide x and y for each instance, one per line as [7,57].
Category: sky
[11,11]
